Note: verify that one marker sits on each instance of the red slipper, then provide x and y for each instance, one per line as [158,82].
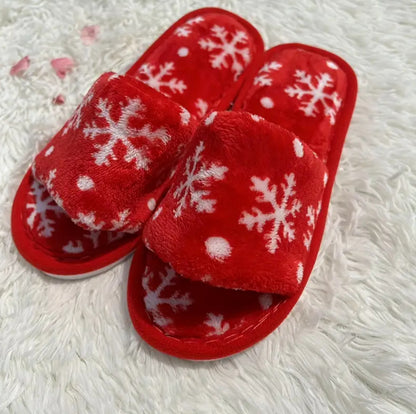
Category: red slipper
[243,220]
[79,208]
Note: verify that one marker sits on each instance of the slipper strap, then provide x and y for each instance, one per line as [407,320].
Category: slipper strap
[107,166]
[242,207]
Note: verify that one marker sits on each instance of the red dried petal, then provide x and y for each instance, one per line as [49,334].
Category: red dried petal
[62,66]
[20,67]
[59,100]
[89,34]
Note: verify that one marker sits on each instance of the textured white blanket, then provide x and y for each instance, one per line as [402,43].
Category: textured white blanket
[348,346]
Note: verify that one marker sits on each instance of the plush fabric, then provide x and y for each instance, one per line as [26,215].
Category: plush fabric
[300,90]
[347,346]
[200,61]
[242,206]
[235,239]
[108,164]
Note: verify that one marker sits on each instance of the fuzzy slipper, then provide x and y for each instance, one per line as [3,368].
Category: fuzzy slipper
[80,207]
[231,246]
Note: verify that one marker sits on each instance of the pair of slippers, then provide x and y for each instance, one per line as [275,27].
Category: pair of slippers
[214,162]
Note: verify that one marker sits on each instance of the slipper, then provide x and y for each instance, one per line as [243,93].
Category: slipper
[231,246]
[80,207]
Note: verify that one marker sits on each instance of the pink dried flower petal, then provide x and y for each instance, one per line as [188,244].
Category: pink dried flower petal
[89,34]
[62,66]
[59,100]
[20,67]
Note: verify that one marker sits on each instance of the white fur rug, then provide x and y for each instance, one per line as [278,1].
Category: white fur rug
[349,345]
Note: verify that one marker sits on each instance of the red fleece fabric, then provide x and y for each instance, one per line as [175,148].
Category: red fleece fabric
[201,60]
[176,306]
[242,206]
[300,90]
[106,166]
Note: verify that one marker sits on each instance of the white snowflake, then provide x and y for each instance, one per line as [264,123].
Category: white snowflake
[312,215]
[280,214]
[120,131]
[51,190]
[76,246]
[202,107]
[94,236]
[114,236]
[185,30]
[227,47]
[216,322]
[315,93]
[43,203]
[75,121]
[197,172]
[153,298]
[73,247]
[121,221]
[89,221]
[263,78]
[159,78]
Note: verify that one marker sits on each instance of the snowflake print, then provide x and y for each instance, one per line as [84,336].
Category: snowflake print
[121,220]
[312,215]
[89,221]
[114,236]
[43,203]
[216,322]
[185,30]
[202,107]
[311,92]
[197,172]
[120,131]
[153,298]
[49,187]
[73,247]
[75,121]
[160,79]
[96,238]
[280,214]
[226,48]
[263,78]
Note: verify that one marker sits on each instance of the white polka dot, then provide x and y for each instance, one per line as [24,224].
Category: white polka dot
[49,151]
[217,248]
[267,102]
[299,273]
[298,146]
[185,116]
[210,118]
[325,179]
[183,51]
[331,65]
[157,212]
[151,204]
[85,183]
[265,300]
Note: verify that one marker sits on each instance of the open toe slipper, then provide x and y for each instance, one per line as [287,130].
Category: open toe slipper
[80,207]
[231,246]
